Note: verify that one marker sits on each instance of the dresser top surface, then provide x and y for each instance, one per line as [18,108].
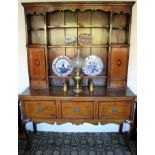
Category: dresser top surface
[98,92]
[79,2]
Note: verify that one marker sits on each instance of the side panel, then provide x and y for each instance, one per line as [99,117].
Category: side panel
[118,67]
[37,67]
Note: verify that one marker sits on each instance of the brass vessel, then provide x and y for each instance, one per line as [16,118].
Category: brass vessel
[65,87]
[91,87]
[77,78]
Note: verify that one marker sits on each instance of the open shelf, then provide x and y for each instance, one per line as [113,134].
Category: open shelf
[77,46]
[78,26]
[119,45]
[120,20]
[120,28]
[35,29]
[36,45]
[84,76]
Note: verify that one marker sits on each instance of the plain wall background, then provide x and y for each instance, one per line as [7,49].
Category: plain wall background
[23,81]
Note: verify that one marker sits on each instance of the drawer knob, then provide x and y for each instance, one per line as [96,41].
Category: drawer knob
[39,109]
[114,109]
[77,109]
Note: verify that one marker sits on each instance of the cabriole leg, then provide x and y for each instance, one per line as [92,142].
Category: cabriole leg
[34,128]
[131,129]
[24,121]
[130,133]
[120,128]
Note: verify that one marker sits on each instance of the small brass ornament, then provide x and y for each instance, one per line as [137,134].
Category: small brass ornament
[91,87]
[65,86]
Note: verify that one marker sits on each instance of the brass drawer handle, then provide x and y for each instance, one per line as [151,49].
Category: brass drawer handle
[114,109]
[39,109]
[77,109]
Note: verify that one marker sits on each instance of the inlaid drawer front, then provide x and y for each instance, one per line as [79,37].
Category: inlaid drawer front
[77,109]
[120,109]
[40,109]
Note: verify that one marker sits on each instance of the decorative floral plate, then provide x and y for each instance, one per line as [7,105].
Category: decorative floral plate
[84,39]
[62,66]
[93,65]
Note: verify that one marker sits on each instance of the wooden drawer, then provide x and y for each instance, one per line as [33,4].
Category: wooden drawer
[121,109]
[40,109]
[77,109]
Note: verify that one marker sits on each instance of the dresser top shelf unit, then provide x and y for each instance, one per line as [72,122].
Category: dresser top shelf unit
[48,23]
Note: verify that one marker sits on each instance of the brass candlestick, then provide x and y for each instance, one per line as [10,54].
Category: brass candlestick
[77,78]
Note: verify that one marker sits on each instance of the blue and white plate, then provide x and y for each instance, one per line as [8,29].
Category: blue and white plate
[93,65]
[62,66]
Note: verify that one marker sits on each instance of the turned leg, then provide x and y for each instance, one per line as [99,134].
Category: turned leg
[120,128]
[34,128]
[25,132]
